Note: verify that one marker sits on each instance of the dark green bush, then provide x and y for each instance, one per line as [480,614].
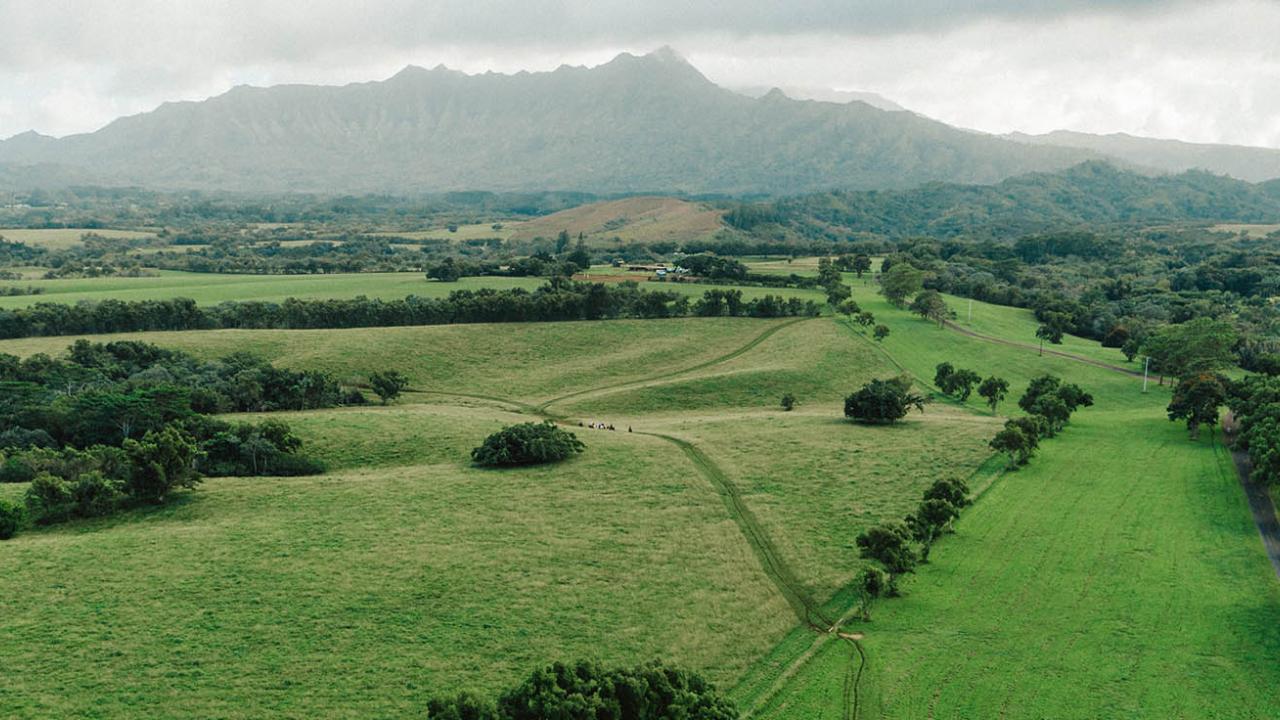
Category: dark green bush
[881,402]
[95,495]
[11,515]
[49,500]
[16,470]
[527,444]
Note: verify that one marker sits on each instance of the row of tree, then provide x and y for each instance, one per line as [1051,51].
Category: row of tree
[959,383]
[1049,403]
[558,300]
[897,547]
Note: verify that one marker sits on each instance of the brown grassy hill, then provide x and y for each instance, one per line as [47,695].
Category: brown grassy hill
[637,219]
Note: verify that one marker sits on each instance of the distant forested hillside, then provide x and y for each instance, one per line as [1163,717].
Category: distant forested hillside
[1093,193]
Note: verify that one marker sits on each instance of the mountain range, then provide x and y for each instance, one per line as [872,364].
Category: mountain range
[650,123]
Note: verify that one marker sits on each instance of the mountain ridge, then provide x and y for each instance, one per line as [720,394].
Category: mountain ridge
[636,124]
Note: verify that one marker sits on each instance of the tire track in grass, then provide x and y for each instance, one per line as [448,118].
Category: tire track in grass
[807,611]
[751,345]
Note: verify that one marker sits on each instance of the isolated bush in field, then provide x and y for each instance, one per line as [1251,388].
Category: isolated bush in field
[788,402]
[11,515]
[881,332]
[882,402]
[388,385]
[527,444]
[49,500]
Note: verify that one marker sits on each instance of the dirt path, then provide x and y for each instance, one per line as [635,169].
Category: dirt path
[780,574]
[1036,348]
[693,368]
[1260,503]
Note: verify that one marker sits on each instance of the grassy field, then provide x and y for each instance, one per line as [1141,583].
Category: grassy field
[480,231]
[62,238]
[210,288]
[1117,576]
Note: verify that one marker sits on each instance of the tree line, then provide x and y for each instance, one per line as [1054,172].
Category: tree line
[112,425]
[558,300]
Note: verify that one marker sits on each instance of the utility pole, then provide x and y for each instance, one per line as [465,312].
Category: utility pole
[1146,370]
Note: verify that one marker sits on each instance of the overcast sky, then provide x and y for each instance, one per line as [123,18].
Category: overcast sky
[1200,70]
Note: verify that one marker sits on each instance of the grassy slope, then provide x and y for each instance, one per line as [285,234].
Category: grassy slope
[1118,576]
[362,592]
[635,219]
[62,238]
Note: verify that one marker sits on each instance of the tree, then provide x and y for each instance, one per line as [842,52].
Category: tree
[160,463]
[527,444]
[952,490]
[890,545]
[994,390]
[388,384]
[1196,399]
[651,691]
[883,402]
[837,293]
[881,332]
[447,270]
[931,518]
[11,515]
[961,383]
[1052,328]
[942,375]
[1013,441]
[900,282]
[1048,397]
[581,256]
[930,306]
[848,308]
[1202,345]
[872,585]
[562,241]
[788,402]
[861,264]
[866,319]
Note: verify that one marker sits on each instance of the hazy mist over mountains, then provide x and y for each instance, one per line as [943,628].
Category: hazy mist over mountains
[649,123]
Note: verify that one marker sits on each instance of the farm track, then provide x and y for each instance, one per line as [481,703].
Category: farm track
[1260,504]
[1057,353]
[755,342]
[806,610]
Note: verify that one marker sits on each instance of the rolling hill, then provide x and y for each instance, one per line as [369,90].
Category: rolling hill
[646,219]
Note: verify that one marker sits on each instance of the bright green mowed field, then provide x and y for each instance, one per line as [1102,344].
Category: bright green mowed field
[363,592]
[1118,576]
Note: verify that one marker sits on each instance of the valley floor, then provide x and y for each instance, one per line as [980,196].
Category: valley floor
[1119,575]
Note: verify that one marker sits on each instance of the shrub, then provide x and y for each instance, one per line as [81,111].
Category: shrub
[94,495]
[11,516]
[788,402]
[527,444]
[49,499]
[162,461]
[882,402]
[16,470]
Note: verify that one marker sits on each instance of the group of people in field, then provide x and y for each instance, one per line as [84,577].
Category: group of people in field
[596,425]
